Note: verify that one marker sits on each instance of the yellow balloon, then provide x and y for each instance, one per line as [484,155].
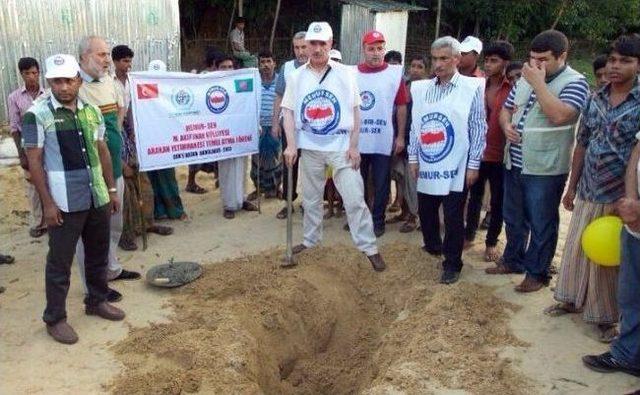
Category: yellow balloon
[601,240]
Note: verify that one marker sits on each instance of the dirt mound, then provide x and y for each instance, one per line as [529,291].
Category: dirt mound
[331,325]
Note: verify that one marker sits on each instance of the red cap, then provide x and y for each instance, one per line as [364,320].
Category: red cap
[373,37]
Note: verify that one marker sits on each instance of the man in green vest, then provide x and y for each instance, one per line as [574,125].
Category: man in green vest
[538,119]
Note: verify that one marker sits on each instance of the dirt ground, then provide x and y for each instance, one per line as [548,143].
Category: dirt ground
[332,325]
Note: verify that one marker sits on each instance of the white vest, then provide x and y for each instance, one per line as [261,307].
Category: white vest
[441,132]
[324,112]
[289,67]
[378,93]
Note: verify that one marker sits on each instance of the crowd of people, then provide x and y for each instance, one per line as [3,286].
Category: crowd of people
[440,130]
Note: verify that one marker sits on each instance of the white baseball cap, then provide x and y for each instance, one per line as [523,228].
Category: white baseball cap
[471,43]
[157,65]
[335,54]
[319,31]
[61,66]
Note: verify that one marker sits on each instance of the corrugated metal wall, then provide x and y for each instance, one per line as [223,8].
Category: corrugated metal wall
[39,28]
[356,21]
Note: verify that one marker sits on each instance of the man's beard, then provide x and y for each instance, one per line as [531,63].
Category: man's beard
[94,69]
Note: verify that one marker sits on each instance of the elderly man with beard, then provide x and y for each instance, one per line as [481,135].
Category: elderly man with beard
[299,45]
[100,89]
[321,105]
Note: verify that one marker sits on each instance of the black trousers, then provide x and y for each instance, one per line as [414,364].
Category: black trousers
[379,166]
[93,226]
[453,207]
[494,173]
[285,186]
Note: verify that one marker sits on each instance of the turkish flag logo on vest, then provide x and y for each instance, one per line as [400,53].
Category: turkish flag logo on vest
[147,91]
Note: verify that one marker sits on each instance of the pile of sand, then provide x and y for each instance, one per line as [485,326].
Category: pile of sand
[14,207]
[331,325]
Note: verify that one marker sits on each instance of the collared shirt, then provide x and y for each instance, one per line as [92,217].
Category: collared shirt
[266,103]
[70,152]
[494,150]
[477,117]
[608,134]
[105,94]
[281,83]
[125,94]
[237,37]
[19,102]
[575,94]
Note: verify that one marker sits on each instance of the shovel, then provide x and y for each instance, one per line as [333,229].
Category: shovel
[288,257]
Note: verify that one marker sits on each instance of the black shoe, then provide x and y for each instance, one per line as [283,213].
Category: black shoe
[377,262]
[346,227]
[113,296]
[127,275]
[449,277]
[378,231]
[435,252]
[606,363]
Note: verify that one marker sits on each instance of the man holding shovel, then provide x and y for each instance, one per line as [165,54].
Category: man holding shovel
[321,105]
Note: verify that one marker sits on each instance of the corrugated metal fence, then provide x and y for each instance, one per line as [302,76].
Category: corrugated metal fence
[356,21]
[39,28]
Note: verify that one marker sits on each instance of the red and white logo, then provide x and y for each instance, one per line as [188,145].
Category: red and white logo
[147,91]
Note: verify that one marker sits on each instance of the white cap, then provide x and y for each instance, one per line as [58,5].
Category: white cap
[157,65]
[335,54]
[471,43]
[319,31]
[61,66]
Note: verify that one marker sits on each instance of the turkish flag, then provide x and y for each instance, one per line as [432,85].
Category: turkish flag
[147,91]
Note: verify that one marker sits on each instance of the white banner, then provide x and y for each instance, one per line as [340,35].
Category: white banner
[185,118]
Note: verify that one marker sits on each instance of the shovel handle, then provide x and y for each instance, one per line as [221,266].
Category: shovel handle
[289,212]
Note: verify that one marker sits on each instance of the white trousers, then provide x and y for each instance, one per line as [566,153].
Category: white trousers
[350,186]
[35,216]
[231,176]
[114,266]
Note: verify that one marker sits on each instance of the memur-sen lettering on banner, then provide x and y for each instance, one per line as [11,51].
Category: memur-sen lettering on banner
[185,118]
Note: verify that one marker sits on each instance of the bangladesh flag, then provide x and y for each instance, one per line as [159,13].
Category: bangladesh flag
[245,85]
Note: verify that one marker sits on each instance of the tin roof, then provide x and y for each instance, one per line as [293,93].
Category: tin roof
[384,5]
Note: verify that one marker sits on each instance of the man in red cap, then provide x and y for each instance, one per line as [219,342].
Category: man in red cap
[382,91]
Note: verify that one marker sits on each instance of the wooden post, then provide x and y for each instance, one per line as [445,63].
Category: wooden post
[438,18]
[240,8]
[275,23]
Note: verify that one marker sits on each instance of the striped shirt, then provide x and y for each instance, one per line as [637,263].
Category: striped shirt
[266,103]
[477,119]
[608,134]
[575,94]
[70,152]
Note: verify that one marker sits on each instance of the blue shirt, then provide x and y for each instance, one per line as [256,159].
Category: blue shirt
[266,104]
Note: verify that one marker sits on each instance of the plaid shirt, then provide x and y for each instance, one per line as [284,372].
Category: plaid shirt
[608,134]
[71,160]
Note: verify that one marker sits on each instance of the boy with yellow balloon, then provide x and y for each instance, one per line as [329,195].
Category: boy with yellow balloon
[624,355]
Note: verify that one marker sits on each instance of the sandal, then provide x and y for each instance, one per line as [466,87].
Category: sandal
[560,309]
[37,232]
[6,259]
[160,230]
[195,188]
[608,333]
[127,245]
[408,226]
[282,214]
[396,219]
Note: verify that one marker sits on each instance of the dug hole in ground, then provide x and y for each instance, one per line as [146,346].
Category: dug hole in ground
[332,325]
